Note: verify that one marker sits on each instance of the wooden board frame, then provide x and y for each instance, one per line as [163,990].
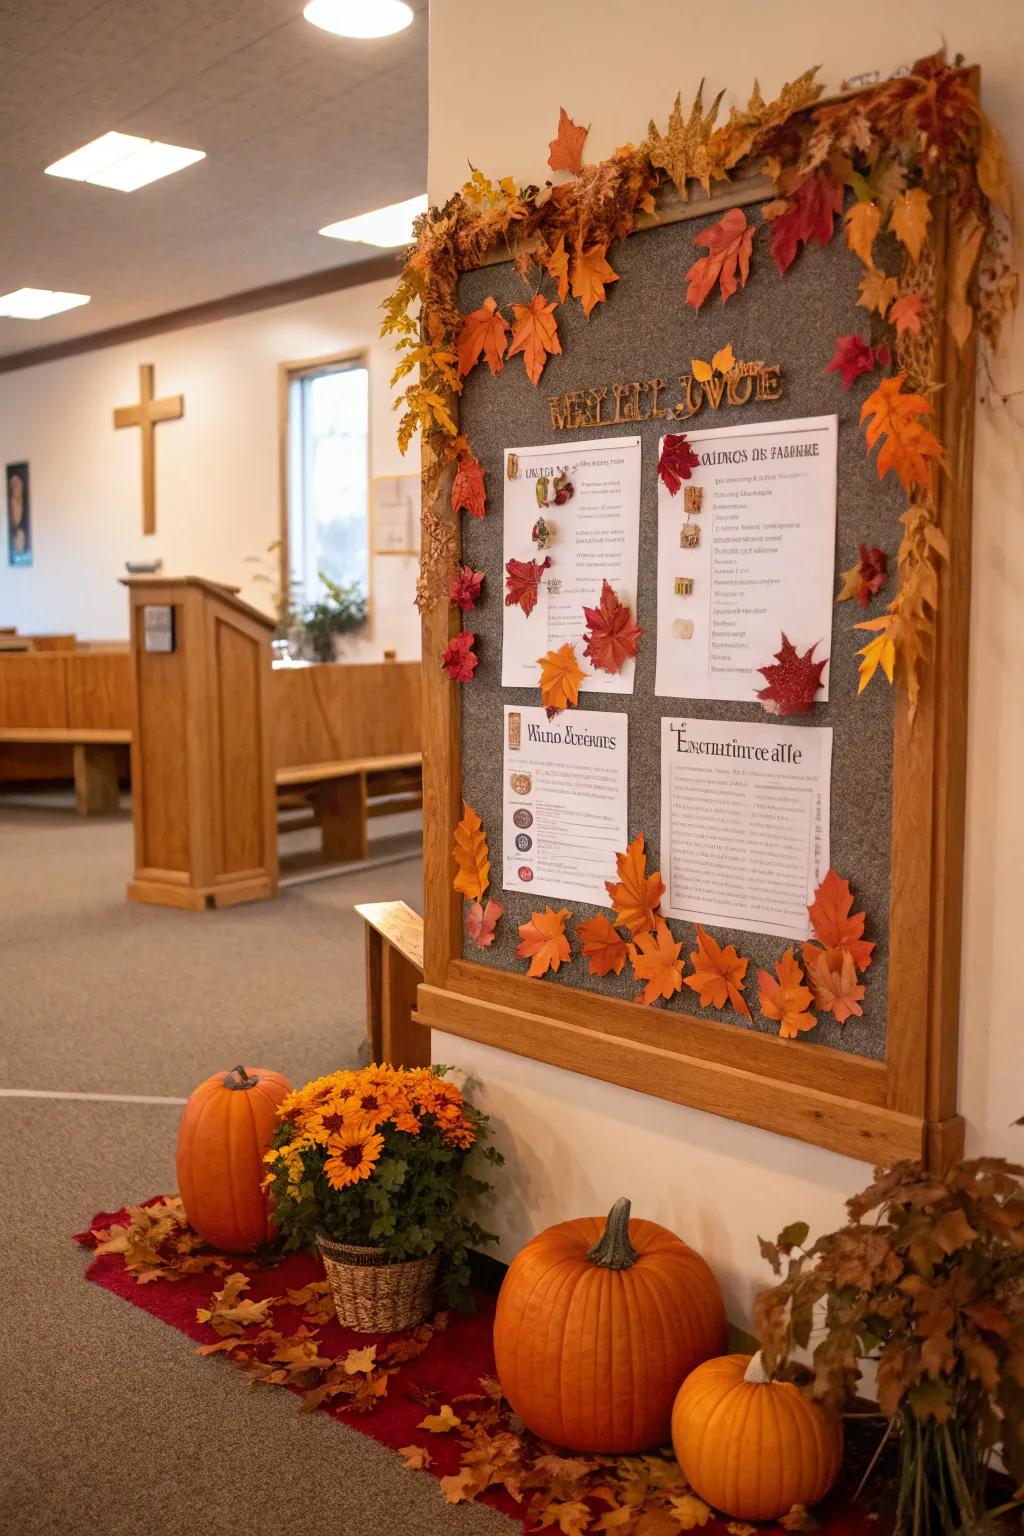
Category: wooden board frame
[879,1111]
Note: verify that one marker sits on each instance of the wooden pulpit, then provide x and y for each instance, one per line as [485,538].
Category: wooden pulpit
[203,798]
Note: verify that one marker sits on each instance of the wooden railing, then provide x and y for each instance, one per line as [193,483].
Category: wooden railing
[394,969]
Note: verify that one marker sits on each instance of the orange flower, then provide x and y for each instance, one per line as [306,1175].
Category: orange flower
[353,1154]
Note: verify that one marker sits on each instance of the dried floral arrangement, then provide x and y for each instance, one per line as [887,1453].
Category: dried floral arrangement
[926,1280]
[884,160]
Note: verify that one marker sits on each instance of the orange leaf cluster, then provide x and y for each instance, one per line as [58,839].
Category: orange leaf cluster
[635,896]
[832,969]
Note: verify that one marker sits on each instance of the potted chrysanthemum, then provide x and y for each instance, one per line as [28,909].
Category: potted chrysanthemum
[374,1168]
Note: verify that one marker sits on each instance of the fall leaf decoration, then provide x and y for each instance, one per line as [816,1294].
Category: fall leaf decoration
[560,678]
[879,652]
[468,491]
[807,214]
[543,941]
[459,659]
[464,588]
[635,896]
[909,220]
[682,150]
[676,461]
[833,978]
[655,957]
[877,292]
[905,314]
[909,449]
[793,680]
[863,221]
[483,333]
[566,148]
[867,577]
[784,998]
[557,266]
[851,358]
[604,948]
[591,274]
[522,583]
[481,922]
[612,636]
[835,926]
[723,362]
[535,335]
[718,974]
[728,243]
[470,852]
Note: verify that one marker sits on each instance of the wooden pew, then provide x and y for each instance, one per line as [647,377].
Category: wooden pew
[67,712]
[394,969]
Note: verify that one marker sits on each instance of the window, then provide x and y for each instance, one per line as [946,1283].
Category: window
[328,476]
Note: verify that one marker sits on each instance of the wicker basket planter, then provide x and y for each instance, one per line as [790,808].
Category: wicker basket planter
[371,1293]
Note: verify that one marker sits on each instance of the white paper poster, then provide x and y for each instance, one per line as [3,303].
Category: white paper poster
[744,822]
[594,537]
[746,552]
[565,790]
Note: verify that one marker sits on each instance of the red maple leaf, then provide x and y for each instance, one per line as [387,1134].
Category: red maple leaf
[676,461]
[464,588]
[852,358]
[792,681]
[873,573]
[522,583]
[809,214]
[468,487]
[459,659]
[611,634]
[728,244]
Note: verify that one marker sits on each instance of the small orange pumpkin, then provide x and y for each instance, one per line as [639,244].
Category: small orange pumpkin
[226,1127]
[752,1447]
[597,1322]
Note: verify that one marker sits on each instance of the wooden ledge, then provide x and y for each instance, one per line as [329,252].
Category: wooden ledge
[399,925]
[66,735]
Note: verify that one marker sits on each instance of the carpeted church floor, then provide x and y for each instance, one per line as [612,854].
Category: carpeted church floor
[109,1423]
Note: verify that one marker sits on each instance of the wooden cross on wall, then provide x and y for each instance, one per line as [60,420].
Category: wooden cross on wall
[146,415]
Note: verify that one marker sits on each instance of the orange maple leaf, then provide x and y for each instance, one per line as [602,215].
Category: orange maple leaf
[535,334]
[729,244]
[787,999]
[484,330]
[905,314]
[909,220]
[656,960]
[557,266]
[718,974]
[544,941]
[468,489]
[566,148]
[560,678]
[909,448]
[469,850]
[590,274]
[834,925]
[604,948]
[833,978]
[636,894]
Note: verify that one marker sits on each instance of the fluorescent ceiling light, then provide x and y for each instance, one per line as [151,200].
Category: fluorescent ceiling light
[389,226]
[37,303]
[123,161]
[359,18]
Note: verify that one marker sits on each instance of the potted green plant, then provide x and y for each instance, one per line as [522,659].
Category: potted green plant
[340,612]
[375,1169]
[927,1281]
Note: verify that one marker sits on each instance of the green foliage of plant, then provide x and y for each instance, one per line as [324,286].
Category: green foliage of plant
[341,612]
[927,1279]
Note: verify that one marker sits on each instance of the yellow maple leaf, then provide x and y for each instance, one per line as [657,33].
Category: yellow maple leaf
[723,362]
[909,220]
[862,225]
[358,1360]
[879,652]
[440,1423]
[876,292]
[560,678]
[469,850]
[688,1511]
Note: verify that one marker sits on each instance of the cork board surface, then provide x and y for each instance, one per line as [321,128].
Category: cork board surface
[645,330]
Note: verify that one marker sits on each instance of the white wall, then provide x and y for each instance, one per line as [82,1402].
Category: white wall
[576,1144]
[217,468]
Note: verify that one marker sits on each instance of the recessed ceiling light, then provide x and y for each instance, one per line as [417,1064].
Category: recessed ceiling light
[37,303]
[124,161]
[389,226]
[359,18]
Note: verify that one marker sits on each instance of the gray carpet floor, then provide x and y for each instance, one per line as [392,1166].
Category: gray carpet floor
[109,1421]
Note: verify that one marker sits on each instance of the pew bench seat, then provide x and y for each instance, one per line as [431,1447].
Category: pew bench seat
[344,795]
[95,759]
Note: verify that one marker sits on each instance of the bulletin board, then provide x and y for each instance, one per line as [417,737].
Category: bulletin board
[878,1087]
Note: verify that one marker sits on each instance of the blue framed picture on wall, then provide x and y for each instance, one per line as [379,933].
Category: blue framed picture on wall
[19,525]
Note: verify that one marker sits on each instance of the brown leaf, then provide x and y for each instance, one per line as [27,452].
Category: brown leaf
[440,1423]
[877,292]
[682,150]
[416,1457]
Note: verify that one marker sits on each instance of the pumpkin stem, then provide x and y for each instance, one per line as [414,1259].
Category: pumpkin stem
[613,1249]
[755,1372]
[244,1080]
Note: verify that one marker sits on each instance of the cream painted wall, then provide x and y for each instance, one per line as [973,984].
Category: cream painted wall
[217,468]
[575,1144]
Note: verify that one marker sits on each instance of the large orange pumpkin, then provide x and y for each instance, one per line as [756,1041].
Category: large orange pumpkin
[226,1127]
[597,1323]
[750,1446]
